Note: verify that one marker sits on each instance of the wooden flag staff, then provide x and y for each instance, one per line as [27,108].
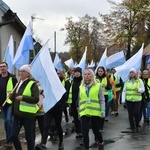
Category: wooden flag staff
[11,92]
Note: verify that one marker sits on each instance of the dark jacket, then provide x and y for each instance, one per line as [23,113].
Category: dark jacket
[32,100]
[59,105]
[75,89]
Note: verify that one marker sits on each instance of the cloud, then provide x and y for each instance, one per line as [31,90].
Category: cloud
[54,13]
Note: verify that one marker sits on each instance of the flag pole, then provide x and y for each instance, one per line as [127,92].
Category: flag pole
[11,92]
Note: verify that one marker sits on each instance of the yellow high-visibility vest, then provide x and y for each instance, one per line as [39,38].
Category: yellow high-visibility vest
[103,82]
[90,105]
[117,81]
[131,93]
[28,107]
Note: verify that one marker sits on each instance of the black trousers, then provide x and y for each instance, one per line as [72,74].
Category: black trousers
[57,115]
[134,113]
[85,125]
[29,126]
[76,118]
[40,120]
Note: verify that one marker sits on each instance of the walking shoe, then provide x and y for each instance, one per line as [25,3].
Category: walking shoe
[101,146]
[101,131]
[41,147]
[78,136]
[116,113]
[60,146]
[112,113]
[106,119]
[8,145]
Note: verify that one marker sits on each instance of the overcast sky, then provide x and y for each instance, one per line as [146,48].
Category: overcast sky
[54,14]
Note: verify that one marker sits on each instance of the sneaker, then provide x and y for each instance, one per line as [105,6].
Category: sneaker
[101,131]
[116,113]
[8,145]
[101,146]
[112,113]
[78,136]
[40,146]
[106,119]
[60,146]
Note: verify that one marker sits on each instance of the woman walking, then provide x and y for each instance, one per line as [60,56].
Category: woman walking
[91,107]
[132,93]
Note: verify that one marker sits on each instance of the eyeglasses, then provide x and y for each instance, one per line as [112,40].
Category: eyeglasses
[3,66]
[58,72]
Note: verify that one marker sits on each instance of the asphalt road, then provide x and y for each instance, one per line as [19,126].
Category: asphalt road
[117,136]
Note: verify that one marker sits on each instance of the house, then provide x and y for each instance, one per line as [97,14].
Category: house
[10,24]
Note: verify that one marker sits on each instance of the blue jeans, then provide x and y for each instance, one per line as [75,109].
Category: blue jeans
[7,117]
[29,126]
[148,110]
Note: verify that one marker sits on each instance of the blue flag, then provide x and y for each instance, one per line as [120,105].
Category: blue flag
[9,54]
[115,60]
[42,69]
[102,61]
[69,63]
[82,63]
[133,62]
[58,63]
[22,55]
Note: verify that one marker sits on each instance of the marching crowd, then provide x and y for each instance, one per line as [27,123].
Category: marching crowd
[90,96]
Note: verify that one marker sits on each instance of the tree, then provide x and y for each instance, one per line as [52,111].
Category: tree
[121,26]
[82,33]
[148,32]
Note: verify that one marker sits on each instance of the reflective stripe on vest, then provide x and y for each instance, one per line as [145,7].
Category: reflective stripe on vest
[27,107]
[131,93]
[9,88]
[89,105]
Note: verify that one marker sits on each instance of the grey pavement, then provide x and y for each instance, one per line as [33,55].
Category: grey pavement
[117,135]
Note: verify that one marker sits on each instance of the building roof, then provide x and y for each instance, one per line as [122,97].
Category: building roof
[3,6]
[11,17]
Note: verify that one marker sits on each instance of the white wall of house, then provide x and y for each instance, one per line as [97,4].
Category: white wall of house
[5,32]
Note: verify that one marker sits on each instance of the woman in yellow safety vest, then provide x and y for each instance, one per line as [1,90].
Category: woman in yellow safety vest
[91,107]
[132,93]
[104,81]
[24,108]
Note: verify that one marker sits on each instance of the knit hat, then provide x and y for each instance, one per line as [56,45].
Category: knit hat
[145,72]
[26,67]
[133,69]
[78,69]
